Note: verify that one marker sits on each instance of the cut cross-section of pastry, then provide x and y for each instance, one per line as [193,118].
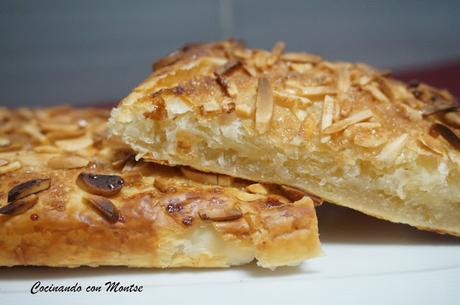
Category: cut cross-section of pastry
[82,199]
[345,132]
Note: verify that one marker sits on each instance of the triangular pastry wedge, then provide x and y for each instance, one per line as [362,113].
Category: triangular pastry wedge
[69,196]
[345,132]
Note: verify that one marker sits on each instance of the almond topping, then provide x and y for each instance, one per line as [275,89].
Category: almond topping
[105,185]
[343,83]
[290,100]
[48,126]
[300,57]
[163,186]
[327,116]
[311,91]
[105,207]
[34,132]
[48,149]
[10,167]
[301,68]
[243,110]
[197,176]
[294,194]
[221,214]
[229,87]
[27,188]
[3,162]
[64,134]
[376,93]
[243,196]
[352,119]
[432,144]
[257,188]
[264,105]
[19,206]
[67,162]
[210,107]
[392,149]
[74,145]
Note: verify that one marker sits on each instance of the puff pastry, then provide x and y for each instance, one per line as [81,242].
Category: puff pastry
[69,196]
[345,132]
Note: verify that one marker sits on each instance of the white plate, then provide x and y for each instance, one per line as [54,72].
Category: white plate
[367,261]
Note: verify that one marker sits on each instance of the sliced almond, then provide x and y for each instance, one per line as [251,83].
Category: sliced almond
[291,100]
[3,162]
[228,67]
[34,132]
[243,196]
[264,105]
[197,176]
[105,207]
[163,185]
[105,185]
[74,145]
[343,83]
[257,188]
[67,162]
[250,69]
[294,194]
[27,188]
[352,119]
[244,110]
[10,167]
[300,57]
[392,149]
[311,91]
[327,116]
[19,206]
[65,134]
[210,107]
[220,214]
[453,119]
[369,140]
[278,48]
[228,106]
[49,126]
[48,149]
[229,87]
[432,144]
[243,53]
[376,93]
[301,67]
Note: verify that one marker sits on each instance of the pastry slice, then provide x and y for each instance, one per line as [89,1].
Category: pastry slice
[345,132]
[69,196]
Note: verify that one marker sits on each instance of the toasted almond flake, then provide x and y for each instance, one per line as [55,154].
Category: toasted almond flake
[432,144]
[10,167]
[337,112]
[289,100]
[229,87]
[4,142]
[372,89]
[60,135]
[3,162]
[163,185]
[352,119]
[264,104]
[224,180]
[228,106]
[243,196]
[228,67]
[300,57]
[34,132]
[46,149]
[244,110]
[243,53]
[67,162]
[220,214]
[74,145]
[327,115]
[104,185]
[387,87]
[301,67]
[364,80]
[257,188]
[392,149]
[49,126]
[343,83]
[368,125]
[210,107]
[200,177]
[411,113]
[320,90]
[300,197]
[250,69]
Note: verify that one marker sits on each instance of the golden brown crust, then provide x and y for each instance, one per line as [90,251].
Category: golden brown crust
[345,132]
[153,217]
